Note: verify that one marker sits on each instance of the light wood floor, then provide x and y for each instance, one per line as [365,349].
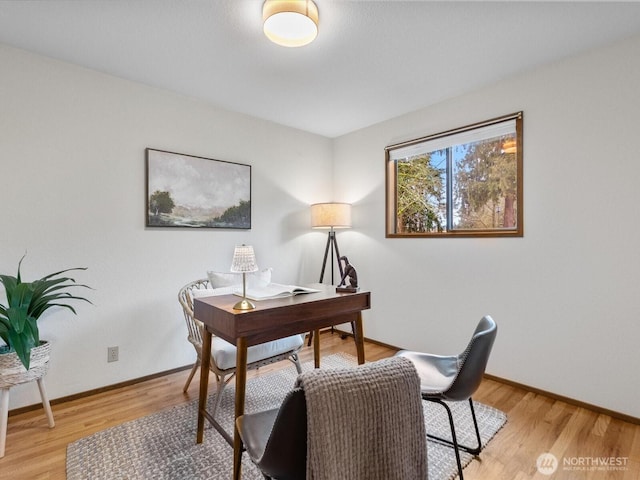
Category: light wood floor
[536,424]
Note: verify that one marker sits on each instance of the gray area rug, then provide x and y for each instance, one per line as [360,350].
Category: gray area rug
[163,446]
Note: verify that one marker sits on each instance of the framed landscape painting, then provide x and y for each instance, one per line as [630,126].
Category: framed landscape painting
[196,192]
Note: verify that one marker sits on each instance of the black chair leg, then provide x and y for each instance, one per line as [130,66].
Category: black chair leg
[474,451]
[457,447]
[453,443]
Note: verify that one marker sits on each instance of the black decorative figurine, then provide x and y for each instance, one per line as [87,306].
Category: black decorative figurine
[350,274]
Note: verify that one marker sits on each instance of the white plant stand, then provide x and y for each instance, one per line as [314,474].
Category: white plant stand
[13,373]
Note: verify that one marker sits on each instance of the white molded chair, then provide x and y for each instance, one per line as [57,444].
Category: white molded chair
[223,354]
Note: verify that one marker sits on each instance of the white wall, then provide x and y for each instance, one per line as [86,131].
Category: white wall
[566,296]
[72,169]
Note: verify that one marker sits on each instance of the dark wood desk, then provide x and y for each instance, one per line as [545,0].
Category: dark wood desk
[270,320]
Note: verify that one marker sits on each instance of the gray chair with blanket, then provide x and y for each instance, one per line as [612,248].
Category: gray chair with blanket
[362,423]
[456,378]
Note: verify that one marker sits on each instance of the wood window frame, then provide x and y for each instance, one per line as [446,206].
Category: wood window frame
[391,198]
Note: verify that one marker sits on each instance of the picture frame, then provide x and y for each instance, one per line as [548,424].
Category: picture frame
[188,191]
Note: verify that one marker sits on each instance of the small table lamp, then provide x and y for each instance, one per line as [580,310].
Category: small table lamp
[244,261]
[331,215]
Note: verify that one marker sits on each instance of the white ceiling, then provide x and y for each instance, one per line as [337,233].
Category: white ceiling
[372,60]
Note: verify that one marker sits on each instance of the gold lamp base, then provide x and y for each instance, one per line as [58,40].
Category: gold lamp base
[244,304]
[244,260]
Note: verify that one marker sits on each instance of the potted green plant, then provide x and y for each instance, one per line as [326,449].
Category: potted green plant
[26,302]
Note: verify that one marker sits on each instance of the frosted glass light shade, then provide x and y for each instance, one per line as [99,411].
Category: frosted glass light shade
[244,259]
[290,23]
[331,215]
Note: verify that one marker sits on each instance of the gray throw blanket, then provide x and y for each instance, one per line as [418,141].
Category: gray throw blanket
[365,423]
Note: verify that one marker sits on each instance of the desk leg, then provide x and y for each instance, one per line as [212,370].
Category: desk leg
[205,363]
[316,348]
[241,382]
[358,333]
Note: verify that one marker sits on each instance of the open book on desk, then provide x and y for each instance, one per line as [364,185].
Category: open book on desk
[274,290]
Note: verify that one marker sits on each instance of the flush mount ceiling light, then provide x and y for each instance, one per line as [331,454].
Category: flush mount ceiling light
[290,23]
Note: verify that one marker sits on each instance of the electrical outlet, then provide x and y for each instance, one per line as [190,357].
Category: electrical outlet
[112,354]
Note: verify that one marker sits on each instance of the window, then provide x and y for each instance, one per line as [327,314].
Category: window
[463,182]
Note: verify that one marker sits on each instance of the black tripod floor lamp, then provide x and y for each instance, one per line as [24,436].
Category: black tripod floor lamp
[331,216]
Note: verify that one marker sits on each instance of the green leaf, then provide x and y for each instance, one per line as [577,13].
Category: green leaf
[10,284]
[17,317]
[22,295]
[20,265]
[63,271]
[40,305]
[4,332]
[31,330]
[22,345]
